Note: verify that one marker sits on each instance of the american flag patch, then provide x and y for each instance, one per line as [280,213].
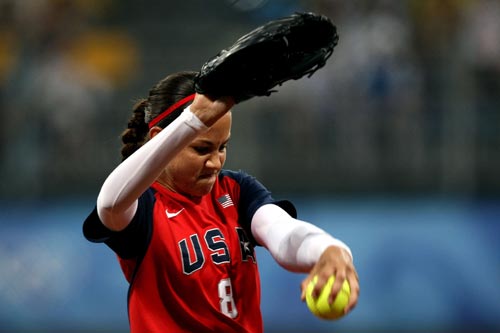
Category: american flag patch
[225,201]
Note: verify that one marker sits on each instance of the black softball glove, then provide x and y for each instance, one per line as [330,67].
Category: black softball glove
[278,51]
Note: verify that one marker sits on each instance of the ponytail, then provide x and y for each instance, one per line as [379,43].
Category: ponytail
[137,129]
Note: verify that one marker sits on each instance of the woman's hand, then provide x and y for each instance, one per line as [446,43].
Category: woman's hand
[210,110]
[334,261]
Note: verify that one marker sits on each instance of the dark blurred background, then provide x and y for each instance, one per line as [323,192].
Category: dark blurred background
[393,146]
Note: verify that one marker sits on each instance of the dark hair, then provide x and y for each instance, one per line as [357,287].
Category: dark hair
[165,93]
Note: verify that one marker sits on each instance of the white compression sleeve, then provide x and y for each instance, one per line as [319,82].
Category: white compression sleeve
[294,244]
[117,200]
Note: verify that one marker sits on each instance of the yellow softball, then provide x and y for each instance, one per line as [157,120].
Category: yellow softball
[320,307]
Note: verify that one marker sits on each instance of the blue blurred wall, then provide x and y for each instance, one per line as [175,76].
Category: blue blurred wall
[424,265]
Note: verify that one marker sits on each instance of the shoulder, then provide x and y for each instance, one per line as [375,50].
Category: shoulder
[236,175]
[240,177]
[246,185]
[252,193]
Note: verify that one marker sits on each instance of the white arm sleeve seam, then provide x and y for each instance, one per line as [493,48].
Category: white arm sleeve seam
[117,200]
[294,244]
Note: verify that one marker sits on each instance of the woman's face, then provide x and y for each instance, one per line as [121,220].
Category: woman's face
[194,170]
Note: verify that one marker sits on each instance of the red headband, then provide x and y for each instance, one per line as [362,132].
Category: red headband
[171,109]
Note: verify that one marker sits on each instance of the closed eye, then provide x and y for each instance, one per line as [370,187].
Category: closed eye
[202,150]
[206,147]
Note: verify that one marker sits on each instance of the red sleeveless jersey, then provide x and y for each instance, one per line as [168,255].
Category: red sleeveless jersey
[191,263]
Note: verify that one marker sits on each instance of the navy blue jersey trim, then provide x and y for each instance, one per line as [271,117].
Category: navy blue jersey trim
[253,195]
[131,241]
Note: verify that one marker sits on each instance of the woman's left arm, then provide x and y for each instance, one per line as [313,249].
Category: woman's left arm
[299,246]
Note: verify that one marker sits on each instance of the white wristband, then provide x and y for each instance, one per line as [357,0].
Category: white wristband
[192,120]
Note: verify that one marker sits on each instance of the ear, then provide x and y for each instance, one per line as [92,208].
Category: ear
[154,130]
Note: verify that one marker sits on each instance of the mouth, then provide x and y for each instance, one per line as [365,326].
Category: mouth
[209,176]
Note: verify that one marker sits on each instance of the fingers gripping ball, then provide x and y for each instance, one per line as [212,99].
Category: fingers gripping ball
[320,307]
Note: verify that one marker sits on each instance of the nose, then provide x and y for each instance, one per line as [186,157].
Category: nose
[215,161]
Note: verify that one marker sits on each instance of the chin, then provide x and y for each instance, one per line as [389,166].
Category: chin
[201,190]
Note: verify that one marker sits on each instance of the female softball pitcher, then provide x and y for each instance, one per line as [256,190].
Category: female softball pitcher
[184,229]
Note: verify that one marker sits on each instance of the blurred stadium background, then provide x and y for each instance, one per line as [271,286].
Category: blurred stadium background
[394,147]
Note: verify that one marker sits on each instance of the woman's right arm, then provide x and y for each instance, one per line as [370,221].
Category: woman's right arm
[117,200]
